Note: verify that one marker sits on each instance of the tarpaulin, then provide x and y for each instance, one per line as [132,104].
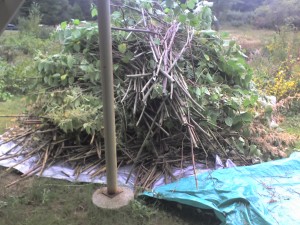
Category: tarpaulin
[262,194]
[10,157]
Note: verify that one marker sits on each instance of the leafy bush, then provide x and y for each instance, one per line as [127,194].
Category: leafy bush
[217,78]
[278,66]
[16,79]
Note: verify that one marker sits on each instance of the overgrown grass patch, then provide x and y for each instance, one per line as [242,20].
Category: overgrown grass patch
[49,201]
[292,126]
[14,106]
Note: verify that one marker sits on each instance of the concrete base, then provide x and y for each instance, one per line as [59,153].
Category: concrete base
[103,200]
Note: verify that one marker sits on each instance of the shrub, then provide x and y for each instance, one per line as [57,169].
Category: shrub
[278,72]
[31,24]
[16,79]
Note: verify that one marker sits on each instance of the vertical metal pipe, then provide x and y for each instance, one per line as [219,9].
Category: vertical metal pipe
[8,9]
[106,62]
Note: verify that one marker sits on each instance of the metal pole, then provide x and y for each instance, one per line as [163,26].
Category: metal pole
[105,47]
[8,9]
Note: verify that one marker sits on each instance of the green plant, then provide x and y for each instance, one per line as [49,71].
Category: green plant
[181,79]
[13,106]
[141,210]
[274,14]
[16,79]
[278,72]
[31,24]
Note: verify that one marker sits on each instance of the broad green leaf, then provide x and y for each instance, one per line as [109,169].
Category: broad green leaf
[198,91]
[116,15]
[127,57]
[190,4]
[182,18]
[77,103]
[94,12]
[206,57]
[76,22]
[246,117]
[246,102]
[76,47]
[40,67]
[206,91]
[229,121]
[63,77]
[122,48]
[63,25]
[70,61]
[190,16]
[116,67]
[56,75]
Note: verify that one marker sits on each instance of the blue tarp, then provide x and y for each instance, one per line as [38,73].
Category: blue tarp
[263,194]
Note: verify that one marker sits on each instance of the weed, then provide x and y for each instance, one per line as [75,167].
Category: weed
[142,211]
[277,69]
[14,106]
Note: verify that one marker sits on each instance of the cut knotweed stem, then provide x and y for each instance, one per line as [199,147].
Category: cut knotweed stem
[145,140]
[133,30]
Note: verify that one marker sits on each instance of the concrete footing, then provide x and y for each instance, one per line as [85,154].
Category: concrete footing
[103,200]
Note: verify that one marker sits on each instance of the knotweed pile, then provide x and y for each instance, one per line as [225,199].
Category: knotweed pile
[181,95]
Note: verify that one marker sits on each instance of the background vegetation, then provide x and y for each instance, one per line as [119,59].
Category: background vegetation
[259,13]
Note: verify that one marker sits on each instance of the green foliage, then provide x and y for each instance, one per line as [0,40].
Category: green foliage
[15,79]
[237,18]
[215,73]
[221,8]
[17,70]
[30,25]
[13,106]
[56,11]
[276,13]
[182,12]
[72,110]
[277,69]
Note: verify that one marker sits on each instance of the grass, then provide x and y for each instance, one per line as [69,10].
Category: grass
[41,201]
[14,106]
[292,126]
[249,38]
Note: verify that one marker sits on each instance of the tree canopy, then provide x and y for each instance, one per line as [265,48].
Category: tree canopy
[261,13]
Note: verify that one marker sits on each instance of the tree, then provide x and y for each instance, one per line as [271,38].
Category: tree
[221,7]
[274,13]
[54,11]
[246,5]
